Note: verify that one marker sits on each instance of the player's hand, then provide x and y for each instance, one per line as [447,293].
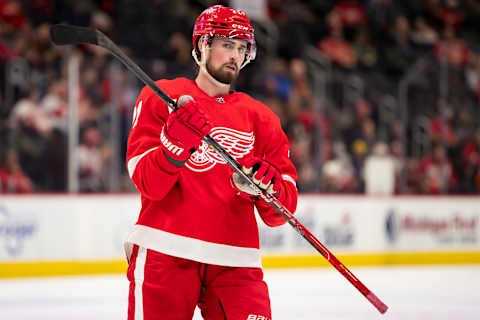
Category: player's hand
[184,131]
[264,174]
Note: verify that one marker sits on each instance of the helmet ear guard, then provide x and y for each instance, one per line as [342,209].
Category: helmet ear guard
[250,54]
[196,45]
[200,43]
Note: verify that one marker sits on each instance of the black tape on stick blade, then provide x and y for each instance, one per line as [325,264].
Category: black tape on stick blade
[62,34]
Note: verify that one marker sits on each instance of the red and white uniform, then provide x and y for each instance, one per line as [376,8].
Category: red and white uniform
[195,212]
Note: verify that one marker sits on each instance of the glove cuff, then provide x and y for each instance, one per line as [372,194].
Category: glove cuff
[173,149]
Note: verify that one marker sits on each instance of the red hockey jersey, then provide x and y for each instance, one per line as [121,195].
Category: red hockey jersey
[195,212]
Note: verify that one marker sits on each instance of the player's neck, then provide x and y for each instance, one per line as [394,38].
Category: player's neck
[210,87]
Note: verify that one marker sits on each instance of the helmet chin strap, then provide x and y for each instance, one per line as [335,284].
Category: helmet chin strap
[203,64]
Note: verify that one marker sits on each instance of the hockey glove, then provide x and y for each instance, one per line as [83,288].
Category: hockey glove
[264,174]
[183,132]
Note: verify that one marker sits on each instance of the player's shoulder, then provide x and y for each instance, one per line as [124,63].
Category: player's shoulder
[256,106]
[175,84]
[173,87]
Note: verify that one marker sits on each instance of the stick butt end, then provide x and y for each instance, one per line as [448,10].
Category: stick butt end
[381,307]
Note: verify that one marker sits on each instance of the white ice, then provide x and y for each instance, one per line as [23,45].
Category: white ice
[433,292]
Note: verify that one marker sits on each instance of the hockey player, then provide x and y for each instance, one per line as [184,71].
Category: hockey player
[196,239]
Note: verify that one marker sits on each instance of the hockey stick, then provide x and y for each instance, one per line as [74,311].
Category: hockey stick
[67,34]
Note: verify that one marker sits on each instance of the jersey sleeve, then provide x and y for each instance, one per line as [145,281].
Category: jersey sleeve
[153,175]
[275,148]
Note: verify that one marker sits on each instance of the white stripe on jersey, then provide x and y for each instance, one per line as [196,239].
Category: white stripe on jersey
[288,178]
[132,163]
[194,249]
[138,275]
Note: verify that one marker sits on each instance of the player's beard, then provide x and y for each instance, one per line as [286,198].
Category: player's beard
[219,74]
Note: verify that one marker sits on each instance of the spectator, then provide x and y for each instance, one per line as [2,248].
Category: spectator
[30,133]
[90,78]
[54,104]
[453,49]
[452,13]
[12,177]
[397,151]
[399,54]
[276,81]
[6,53]
[181,64]
[12,13]
[364,128]
[308,178]
[435,172]
[41,11]
[365,52]
[379,171]
[464,125]
[300,143]
[29,116]
[278,107]
[93,158]
[441,132]
[301,98]
[470,169]
[472,74]
[297,24]
[335,46]
[423,35]
[380,14]
[352,16]
[351,13]
[338,174]
[433,9]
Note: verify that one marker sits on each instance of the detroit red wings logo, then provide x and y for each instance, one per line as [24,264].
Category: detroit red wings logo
[236,143]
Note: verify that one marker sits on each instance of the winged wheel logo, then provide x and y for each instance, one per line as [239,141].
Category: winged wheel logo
[236,143]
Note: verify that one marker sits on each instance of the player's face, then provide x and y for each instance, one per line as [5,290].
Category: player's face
[225,58]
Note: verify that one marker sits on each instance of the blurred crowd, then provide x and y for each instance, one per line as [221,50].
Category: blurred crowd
[353,82]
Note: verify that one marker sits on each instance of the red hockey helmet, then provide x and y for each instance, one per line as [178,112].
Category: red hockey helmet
[227,22]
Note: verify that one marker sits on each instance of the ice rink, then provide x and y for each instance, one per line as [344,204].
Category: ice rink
[433,292]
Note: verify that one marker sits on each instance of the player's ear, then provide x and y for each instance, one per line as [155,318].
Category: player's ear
[202,43]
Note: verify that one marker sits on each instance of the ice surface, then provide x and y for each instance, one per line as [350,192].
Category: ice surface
[433,292]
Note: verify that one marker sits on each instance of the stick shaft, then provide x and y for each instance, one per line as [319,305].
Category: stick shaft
[330,257]
[106,43]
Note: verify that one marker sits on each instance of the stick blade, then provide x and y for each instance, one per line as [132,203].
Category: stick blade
[62,34]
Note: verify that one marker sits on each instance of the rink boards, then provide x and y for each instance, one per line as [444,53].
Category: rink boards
[83,234]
